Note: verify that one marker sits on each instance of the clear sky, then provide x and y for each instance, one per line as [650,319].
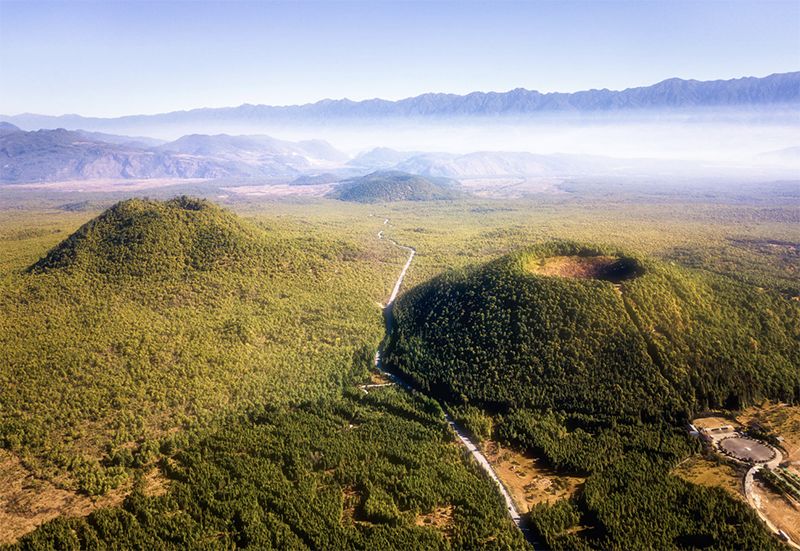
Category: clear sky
[121,57]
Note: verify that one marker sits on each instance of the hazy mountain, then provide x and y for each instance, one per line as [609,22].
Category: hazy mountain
[316,179]
[142,142]
[256,149]
[500,163]
[8,128]
[381,157]
[785,156]
[774,90]
[50,155]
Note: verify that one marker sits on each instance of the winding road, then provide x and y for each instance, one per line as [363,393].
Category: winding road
[457,429]
[755,501]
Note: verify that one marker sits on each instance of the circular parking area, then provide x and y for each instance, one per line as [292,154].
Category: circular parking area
[746,449]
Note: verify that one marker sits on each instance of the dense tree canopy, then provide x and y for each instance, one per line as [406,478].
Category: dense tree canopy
[598,377]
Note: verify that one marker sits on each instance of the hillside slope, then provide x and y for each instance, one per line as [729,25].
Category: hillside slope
[160,315]
[49,155]
[146,238]
[52,155]
[663,345]
[594,360]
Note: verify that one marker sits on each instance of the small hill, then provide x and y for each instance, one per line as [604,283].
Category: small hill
[583,329]
[388,186]
[145,238]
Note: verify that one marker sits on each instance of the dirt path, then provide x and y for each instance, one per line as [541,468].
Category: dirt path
[461,434]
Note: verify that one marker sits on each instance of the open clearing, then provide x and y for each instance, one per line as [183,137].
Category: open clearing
[106,185]
[607,268]
[782,512]
[714,423]
[705,472]
[27,501]
[527,478]
[780,419]
[441,519]
[746,449]
[280,190]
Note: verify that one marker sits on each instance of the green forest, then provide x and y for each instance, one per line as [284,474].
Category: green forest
[221,348]
[358,472]
[157,315]
[599,378]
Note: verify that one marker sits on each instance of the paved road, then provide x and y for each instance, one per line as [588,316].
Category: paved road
[459,431]
[754,500]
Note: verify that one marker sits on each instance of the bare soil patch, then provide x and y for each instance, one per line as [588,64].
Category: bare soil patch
[107,184]
[714,422]
[281,190]
[702,471]
[378,378]
[781,420]
[781,511]
[606,268]
[155,483]
[351,500]
[27,501]
[441,519]
[527,478]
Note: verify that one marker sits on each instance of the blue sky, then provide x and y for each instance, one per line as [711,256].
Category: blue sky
[115,57]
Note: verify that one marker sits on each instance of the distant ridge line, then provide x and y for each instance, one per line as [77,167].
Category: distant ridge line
[673,93]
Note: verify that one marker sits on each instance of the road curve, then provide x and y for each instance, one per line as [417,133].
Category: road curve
[754,499]
[457,429]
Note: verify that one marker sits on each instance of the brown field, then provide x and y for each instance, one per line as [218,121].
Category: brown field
[378,378]
[441,519]
[27,501]
[350,501]
[780,419]
[713,422]
[527,478]
[782,512]
[106,185]
[702,471]
[608,268]
[281,190]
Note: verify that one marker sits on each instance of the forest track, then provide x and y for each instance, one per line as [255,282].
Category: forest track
[459,431]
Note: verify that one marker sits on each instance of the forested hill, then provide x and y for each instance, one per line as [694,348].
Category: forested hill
[392,185]
[593,359]
[155,316]
[663,343]
[141,237]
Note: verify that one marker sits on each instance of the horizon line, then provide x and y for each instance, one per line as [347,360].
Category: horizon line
[346,99]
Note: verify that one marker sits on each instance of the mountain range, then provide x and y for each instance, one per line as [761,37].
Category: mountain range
[52,155]
[780,89]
